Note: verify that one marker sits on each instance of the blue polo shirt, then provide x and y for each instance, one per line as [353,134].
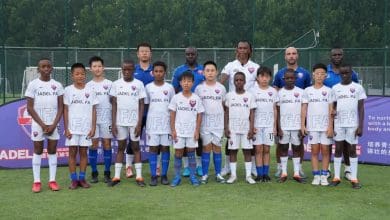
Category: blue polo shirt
[333,78]
[198,76]
[303,79]
[145,76]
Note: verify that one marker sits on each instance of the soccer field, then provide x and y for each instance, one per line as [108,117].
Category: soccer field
[212,201]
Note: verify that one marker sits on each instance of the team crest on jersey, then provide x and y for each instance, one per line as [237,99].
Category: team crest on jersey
[192,103]
[217,91]
[86,95]
[254,139]
[324,93]
[352,90]
[231,142]
[105,87]
[245,99]
[148,137]
[251,69]
[200,72]
[133,88]
[300,75]
[296,94]
[54,87]
[270,93]
[165,92]
[311,137]
[35,133]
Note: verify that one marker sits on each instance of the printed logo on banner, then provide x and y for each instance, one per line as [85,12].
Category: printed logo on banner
[24,120]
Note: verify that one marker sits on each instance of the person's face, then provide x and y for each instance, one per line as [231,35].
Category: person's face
[144,54]
[78,76]
[186,84]
[243,50]
[336,56]
[159,73]
[210,72]
[191,55]
[291,56]
[346,75]
[263,79]
[239,81]
[319,75]
[97,68]
[128,71]
[45,68]
[289,79]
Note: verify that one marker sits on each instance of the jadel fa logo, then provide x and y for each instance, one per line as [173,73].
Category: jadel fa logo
[192,103]
[217,91]
[24,120]
[54,87]
[324,93]
[270,93]
[165,92]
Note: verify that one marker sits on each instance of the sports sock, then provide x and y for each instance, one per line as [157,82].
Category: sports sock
[316,172]
[82,175]
[283,163]
[324,172]
[129,159]
[266,170]
[354,168]
[73,176]
[164,162]
[36,167]
[118,168]
[259,170]
[191,163]
[296,163]
[248,168]
[107,159]
[138,170]
[337,167]
[177,166]
[52,166]
[92,156]
[153,163]
[205,163]
[347,168]
[227,162]
[198,161]
[185,161]
[279,165]
[217,157]
[233,168]
[253,167]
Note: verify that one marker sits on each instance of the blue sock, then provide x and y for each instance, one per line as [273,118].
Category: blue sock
[107,159]
[217,157]
[191,162]
[73,176]
[153,163]
[177,166]
[82,175]
[324,172]
[266,170]
[316,172]
[259,170]
[165,162]
[92,156]
[205,163]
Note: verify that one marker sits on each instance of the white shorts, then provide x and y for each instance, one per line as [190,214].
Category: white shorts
[264,136]
[182,142]
[319,137]
[211,138]
[103,131]
[158,139]
[345,134]
[237,140]
[290,137]
[38,135]
[124,131]
[78,140]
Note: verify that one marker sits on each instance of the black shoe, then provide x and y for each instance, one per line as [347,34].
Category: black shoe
[140,182]
[282,179]
[113,182]
[107,176]
[266,179]
[258,178]
[299,179]
[356,185]
[334,182]
[164,180]
[153,181]
[94,178]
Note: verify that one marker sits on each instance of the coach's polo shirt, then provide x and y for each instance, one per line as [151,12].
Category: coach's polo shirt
[197,72]
[249,69]
[145,76]
[303,79]
[333,78]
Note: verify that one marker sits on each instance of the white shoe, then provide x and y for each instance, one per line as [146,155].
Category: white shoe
[232,179]
[324,180]
[204,179]
[220,179]
[250,180]
[316,180]
[225,171]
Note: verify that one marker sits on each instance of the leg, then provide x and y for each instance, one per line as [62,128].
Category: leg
[72,162]
[119,159]
[199,149]
[107,154]
[259,161]
[217,157]
[296,158]
[165,156]
[137,163]
[153,160]
[36,161]
[52,159]
[226,168]
[266,161]
[283,149]
[315,149]
[337,159]
[206,158]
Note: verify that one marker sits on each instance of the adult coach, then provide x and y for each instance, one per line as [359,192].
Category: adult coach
[191,64]
[302,81]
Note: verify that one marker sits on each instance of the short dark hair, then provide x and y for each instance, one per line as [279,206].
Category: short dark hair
[187,74]
[95,59]
[320,66]
[240,73]
[263,70]
[43,58]
[289,70]
[210,62]
[144,44]
[128,62]
[77,65]
[245,41]
[160,63]
[346,65]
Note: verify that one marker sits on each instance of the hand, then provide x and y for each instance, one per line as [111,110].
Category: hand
[280,133]
[137,131]
[304,131]
[45,129]
[174,136]
[359,132]
[329,133]
[333,113]
[68,134]
[196,135]
[250,134]
[114,130]
[227,133]
[91,133]
[50,129]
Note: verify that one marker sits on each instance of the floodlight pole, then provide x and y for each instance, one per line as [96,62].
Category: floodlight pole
[190,23]
[66,42]
[386,49]
[3,58]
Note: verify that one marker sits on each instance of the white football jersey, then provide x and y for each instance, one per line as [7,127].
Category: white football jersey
[239,110]
[249,69]
[265,100]
[103,109]
[290,102]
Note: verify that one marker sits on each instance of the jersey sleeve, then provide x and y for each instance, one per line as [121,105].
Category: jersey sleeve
[30,91]
[172,105]
[142,93]
[252,103]
[305,96]
[95,99]
[200,106]
[227,97]
[362,93]
[113,90]
[66,97]
[60,89]
[146,100]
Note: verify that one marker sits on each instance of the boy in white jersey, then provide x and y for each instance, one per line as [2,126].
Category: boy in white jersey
[212,94]
[127,98]
[239,126]
[158,97]
[289,124]
[102,87]
[265,121]
[80,123]
[186,111]
[348,123]
[316,112]
[45,105]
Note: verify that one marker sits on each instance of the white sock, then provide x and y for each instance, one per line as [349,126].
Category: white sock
[279,166]
[296,163]
[129,159]
[337,167]
[347,168]
[248,168]
[36,167]
[138,170]
[329,166]
[253,164]
[354,168]
[158,160]
[283,161]
[227,162]
[52,166]
[300,165]
[118,168]
[233,168]
[198,161]
[185,162]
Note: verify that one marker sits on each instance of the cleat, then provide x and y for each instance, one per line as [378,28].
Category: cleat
[186,172]
[129,172]
[335,182]
[114,182]
[225,171]
[199,171]
[107,176]
[36,187]
[140,182]
[74,184]
[231,180]
[194,181]
[176,181]
[283,178]
[299,179]
[219,178]
[250,180]
[84,184]
[278,173]
[266,179]
[158,172]
[259,178]
[53,186]
[347,175]
[302,174]
[356,184]
[94,178]
[329,174]
[316,180]
[153,181]
[324,180]
[204,179]
[164,180]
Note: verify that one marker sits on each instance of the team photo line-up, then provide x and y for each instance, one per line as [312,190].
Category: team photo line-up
[194,114]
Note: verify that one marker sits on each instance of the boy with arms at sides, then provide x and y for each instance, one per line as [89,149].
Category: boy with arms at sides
[102,87]
[316,112]
[186,117]
[265,121]
[45,105]
[212,94]
[239,126]
[158,97]
[348,123]
[127,98]
[80,123]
